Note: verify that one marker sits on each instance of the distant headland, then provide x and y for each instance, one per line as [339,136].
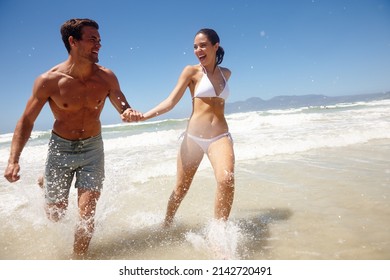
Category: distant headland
[297,101]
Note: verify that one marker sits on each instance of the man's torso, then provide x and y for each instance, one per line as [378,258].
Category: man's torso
[77,103]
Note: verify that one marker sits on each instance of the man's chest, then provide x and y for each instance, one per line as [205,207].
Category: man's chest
[75,94]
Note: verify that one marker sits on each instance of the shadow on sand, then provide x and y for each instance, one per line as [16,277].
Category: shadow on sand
[256,230]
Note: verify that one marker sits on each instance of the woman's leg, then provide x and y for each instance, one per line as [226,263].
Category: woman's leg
[188,160]
[221,155]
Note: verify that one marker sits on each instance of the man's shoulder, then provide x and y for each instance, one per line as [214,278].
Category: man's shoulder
[53,73]
[104,70]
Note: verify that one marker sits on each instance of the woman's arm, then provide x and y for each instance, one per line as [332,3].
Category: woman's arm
[177,93]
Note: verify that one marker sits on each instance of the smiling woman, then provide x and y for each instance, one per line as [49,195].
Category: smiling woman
[207,130]
[208,37]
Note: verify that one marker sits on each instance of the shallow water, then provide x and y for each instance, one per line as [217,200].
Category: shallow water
[331,203]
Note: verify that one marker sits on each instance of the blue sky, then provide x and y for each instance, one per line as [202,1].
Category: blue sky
[273,47]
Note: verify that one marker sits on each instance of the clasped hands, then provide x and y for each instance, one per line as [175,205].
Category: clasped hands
[131,115]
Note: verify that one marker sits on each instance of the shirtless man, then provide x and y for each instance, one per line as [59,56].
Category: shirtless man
[76,91]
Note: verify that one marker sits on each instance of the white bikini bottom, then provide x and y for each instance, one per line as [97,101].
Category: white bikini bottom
[204,143]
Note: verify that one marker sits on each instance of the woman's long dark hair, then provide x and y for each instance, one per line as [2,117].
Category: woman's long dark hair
[213,38]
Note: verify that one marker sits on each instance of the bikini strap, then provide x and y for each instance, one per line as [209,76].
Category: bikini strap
[205,72]
[223,76]
[204,69]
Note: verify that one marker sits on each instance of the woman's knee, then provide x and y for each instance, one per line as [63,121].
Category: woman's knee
[226,179]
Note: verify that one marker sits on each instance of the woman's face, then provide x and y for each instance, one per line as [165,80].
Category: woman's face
[204,50]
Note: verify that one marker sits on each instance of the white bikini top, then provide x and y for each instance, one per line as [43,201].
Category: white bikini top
[206,88]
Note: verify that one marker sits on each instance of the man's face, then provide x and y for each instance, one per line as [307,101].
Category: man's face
[90,44]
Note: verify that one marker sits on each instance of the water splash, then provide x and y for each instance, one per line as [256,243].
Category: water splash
[220,239]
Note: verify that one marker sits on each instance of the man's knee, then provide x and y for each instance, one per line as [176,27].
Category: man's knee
[55,212]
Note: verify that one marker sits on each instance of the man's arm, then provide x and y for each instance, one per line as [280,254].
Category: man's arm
[24,127]
[120,103]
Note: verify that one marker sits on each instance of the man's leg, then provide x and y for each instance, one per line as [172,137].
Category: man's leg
[87,201]
[56,211]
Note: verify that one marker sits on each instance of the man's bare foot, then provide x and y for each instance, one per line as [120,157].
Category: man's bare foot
[40,181]
[167,224]
[76,256]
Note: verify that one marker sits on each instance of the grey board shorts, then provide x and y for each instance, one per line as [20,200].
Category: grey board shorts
[66,159]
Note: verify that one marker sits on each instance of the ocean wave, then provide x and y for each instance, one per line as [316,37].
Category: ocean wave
[256,134]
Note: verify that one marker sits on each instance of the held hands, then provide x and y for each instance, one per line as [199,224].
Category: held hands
[131,115]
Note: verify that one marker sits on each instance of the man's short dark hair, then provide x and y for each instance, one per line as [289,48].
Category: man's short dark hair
[73,27]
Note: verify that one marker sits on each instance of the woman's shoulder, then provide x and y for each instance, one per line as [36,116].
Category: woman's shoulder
[191,70]
[226,72]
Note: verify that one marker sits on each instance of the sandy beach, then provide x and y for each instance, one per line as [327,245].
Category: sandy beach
[323,204]
[330,203]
